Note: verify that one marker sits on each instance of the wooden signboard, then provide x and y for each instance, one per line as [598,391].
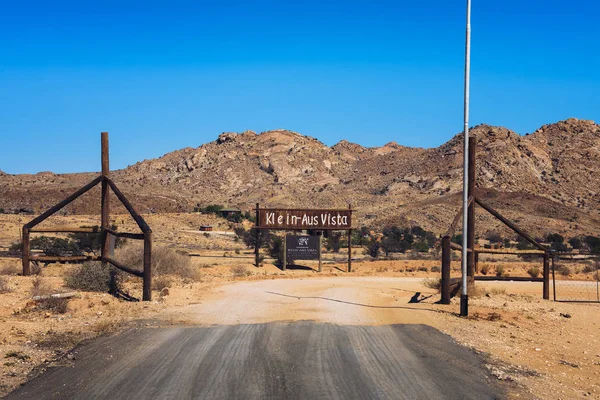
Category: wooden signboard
[289,219]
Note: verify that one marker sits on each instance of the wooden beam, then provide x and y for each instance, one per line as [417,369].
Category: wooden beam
[508,279]
[456,220]
[128,235]
[137,217]
[63,230]
[510,224]
[509,251]
[63,203]
[147,292]
[546,277]
[458,247]
[120,266]
[64,258]
[445,284]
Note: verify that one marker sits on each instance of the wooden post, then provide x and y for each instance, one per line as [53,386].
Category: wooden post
[25,248]
[320,256]
[105,217]
[147,293]
[284,265]
[554,279]
[446,253]
[350,244]
[471,211]
[257,237]
[546,288]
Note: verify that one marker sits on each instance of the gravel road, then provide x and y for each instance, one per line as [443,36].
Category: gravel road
[286,356]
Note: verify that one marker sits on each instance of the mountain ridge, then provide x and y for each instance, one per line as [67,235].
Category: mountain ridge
[559,162]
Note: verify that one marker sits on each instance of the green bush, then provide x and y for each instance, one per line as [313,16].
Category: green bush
[500,270]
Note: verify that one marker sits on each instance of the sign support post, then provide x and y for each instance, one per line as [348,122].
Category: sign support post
[257,237]
[284,265]
[320,252]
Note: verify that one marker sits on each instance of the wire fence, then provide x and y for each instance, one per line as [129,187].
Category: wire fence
[576,279]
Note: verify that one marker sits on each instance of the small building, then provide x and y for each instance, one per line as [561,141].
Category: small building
[206,228]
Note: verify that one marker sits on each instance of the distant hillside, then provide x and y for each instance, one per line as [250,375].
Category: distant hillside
[548,180]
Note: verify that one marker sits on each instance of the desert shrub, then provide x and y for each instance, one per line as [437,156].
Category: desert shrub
[240,271]
[586,270]
[10,269]
[4,285]
[381,269]
[423,269]
[422,246]
[493,237]
[497,290]
[564,270]
[94,277]
[433,283]
[161,283]
[485,268]
[40,287]
[16,248]
[35,269]
[500,270]
[53,304]
[53,246]
[534,272]
[165,261]
[435,268]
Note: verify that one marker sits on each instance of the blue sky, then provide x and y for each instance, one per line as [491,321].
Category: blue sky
[160,76]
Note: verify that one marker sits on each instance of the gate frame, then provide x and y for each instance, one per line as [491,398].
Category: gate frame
[472,252]
[105,229]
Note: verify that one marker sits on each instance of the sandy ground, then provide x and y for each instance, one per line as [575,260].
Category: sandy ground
[549,348]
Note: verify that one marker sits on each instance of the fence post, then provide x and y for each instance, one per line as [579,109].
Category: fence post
[147,295]
[256,239]
[105,202]
[25,249]
[546,288]
[445,283]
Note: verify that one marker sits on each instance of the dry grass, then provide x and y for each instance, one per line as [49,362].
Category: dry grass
[5,285]
[55,305]
[165,261]
[10,269]
[92,277]
[160,283]
[433,283]
[534,272]
[40,287]
[240,271]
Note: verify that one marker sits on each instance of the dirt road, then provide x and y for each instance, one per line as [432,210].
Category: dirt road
[347,338]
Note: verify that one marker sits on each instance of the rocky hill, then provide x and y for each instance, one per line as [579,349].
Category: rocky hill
[546,180]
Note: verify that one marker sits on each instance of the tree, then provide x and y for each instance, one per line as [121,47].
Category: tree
[418,231]
[493,237]
[458,238]
[555,238]
[576,243]
[333,242]
[593,244]
[373,248]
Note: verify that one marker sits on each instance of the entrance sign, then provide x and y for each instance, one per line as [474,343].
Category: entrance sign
[303,247]
[304,219]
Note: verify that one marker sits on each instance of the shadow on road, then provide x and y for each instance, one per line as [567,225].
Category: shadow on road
[358,304]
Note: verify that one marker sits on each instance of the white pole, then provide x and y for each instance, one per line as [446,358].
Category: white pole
[464,299]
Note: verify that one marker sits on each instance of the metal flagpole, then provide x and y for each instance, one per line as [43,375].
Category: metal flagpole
[464,298]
